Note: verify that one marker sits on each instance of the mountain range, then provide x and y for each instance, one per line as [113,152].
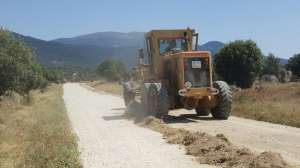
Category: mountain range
[106,39]
[89,50]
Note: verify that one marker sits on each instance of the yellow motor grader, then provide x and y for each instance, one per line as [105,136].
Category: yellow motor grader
[174,74]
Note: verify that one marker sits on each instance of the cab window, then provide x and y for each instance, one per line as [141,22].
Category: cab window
[172,45]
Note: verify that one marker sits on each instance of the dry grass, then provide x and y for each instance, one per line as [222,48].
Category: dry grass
[109,87]
[37,135]
[276,103]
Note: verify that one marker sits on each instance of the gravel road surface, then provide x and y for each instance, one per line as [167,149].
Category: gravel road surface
[107,140]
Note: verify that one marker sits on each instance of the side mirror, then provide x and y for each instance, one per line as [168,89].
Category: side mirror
[141,56]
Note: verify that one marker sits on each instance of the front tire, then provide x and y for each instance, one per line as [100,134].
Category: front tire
[223,109]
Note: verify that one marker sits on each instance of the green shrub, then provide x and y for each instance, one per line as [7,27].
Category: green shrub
[294,64]
[112,70]
[239,63]
[54,75]
[271,65]
[19,70]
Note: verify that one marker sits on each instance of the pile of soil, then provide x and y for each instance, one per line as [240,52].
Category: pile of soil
[214,150]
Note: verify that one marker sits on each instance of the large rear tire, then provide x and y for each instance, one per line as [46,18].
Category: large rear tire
[155,102]
[223,109]
[128,93]
[162,103]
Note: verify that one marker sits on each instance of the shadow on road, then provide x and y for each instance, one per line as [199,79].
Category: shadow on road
[136,112]
[186,118]
[114,117]
[119,109]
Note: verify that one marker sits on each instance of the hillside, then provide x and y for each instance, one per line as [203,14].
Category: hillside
[58,54]
[117,39]
[107,39]
[212,46]
[89,50]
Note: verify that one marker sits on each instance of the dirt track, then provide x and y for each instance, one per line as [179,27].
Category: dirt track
[109,140]
[106,139]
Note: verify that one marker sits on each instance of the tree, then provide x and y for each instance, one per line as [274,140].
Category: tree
[7,71]
[271,66]
[54,75]
[19,70]
[239,63]
[112,70]
[294,64]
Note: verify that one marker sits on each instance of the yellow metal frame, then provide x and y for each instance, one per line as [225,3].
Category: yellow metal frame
[155,36]
[193,92]
[204,96]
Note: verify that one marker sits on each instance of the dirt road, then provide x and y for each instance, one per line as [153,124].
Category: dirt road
[255,135]
[108,140]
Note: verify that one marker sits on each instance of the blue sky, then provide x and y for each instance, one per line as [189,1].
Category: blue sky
[273,24]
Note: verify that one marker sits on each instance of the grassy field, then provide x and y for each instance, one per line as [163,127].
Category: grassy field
[276,103]
[37,134]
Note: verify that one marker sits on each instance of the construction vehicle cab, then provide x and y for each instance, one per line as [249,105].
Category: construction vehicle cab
[175,74]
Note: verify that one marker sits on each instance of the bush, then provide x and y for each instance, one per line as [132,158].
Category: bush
[285,76]
[294,65]
[271,66]
[54,75]
[19,71]
[239,63]
[112,70]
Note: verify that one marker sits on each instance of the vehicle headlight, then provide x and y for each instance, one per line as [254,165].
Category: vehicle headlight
[188,84]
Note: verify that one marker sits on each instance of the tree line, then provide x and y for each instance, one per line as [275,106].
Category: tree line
[241,62]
